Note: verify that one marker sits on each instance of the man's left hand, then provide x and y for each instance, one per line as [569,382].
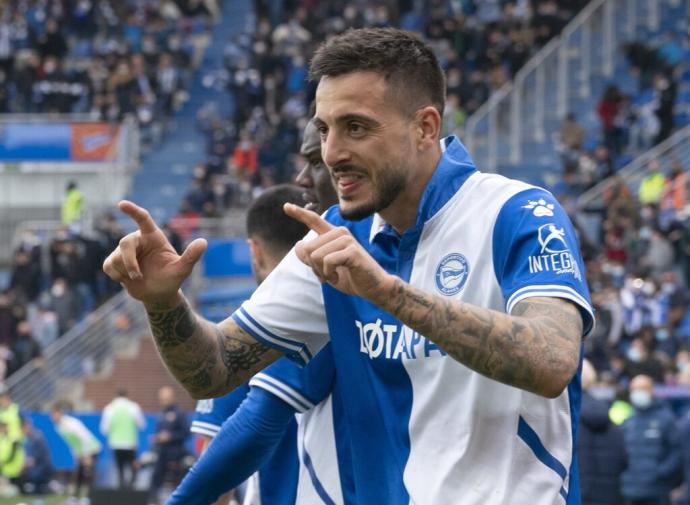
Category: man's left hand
[336,257]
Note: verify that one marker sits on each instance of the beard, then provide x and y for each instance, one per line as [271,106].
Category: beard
[386,186]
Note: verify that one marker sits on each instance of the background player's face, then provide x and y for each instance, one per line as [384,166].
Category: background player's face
[314,177]
[366,142]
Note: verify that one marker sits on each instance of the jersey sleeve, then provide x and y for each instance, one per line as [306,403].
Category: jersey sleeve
[300,387]
[210,414]
[246,440]
[536,253]
[286,311]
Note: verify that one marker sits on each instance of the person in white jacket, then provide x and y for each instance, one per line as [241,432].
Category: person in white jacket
[121,422]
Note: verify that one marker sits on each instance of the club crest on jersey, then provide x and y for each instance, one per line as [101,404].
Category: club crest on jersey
[451,274]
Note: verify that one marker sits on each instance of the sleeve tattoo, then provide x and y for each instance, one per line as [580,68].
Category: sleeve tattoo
[207,359]
[536,348]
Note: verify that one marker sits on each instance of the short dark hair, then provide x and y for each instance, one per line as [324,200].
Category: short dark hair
[408,65]
[267,220]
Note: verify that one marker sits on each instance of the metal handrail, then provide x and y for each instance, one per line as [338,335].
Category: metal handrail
[556,51]
[662,152]
[64,362]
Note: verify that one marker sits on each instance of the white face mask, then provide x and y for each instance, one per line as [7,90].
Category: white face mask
[640,399]
[634,355]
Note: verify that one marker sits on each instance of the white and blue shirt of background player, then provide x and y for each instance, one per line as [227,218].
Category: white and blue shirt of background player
[255,431]
[424,428]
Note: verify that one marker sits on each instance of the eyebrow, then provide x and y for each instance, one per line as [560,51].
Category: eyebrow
[346,118]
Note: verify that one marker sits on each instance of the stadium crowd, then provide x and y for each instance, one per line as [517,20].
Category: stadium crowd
[106,59]
[481,45]
[138,61]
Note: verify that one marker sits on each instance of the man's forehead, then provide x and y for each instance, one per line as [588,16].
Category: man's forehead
[356,92]
[311,140]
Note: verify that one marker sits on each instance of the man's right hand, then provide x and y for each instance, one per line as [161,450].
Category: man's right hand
[145,263]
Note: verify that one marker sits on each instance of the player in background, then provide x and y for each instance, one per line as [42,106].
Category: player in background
[210,414]
[85,449]
[261,434]
[454,301]
[121,423]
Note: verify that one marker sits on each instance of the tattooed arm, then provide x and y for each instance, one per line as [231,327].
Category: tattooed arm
[537,348]
[208,359]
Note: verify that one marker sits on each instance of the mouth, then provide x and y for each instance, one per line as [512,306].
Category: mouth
[348,182]
[312,203]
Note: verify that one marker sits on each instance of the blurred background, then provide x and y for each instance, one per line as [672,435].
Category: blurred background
[191,108]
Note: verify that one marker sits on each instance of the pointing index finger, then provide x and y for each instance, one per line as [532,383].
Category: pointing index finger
[140,216]
[308,217]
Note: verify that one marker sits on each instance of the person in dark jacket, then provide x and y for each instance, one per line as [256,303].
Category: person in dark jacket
[601,449]
[38,466]
[169,440]
[684,429]
[652,444]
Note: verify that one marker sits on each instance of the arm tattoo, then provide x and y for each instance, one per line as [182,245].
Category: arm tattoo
[239,355]
[207,359]
[536,348]
[173,327]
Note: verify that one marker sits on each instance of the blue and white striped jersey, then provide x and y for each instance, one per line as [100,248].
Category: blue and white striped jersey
[424,428]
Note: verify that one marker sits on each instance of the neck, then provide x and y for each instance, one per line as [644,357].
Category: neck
[402,213]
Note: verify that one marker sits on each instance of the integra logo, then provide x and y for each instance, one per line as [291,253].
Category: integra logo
[451,274]
[552,239]
[554,254]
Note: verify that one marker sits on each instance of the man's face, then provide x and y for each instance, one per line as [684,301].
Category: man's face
[366,142]
[314,177]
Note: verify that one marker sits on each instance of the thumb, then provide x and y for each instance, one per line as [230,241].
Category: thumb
[193,252]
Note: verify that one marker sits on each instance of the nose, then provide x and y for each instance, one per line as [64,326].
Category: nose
[334,150]
[304,178]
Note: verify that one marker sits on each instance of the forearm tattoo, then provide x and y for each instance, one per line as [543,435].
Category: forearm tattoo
[535,349]
[207,360]
[172,327]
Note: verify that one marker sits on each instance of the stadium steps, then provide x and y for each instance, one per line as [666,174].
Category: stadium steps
[141,372]
[166,173]
[540,162]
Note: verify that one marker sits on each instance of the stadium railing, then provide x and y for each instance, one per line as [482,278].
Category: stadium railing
[526,109]
[88,349]
[674,148]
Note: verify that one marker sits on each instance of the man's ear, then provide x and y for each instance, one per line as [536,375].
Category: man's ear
[428,122]
[258,255]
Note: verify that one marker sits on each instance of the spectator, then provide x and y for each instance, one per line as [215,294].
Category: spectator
[26,276]
[601,449]
[121,422]
[73,206]
[169,440]
[38,466]
[9,414]
[642,362]
[653,448]
[664,96]
[608,110]
[84,446]
[659,255]
[25,347]
[674,198]
[11,454]
[65,303]
[652,184]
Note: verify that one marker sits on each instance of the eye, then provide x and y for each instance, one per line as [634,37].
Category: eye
[355,129]
[323,131]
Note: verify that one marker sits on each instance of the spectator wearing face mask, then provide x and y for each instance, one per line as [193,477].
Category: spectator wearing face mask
[652,445]
[641,362]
